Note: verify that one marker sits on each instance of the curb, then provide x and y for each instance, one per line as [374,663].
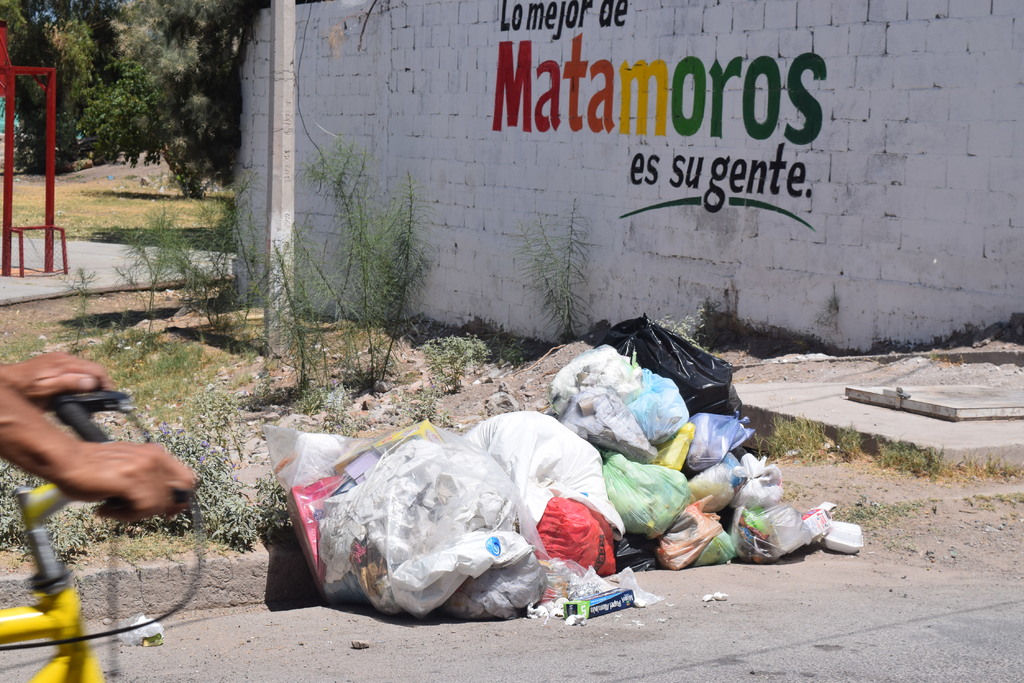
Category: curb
[277,576]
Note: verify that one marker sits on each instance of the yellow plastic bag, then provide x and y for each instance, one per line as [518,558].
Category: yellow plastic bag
[672,454]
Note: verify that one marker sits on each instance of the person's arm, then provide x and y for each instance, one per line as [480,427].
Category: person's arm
[143,476]
[41,378]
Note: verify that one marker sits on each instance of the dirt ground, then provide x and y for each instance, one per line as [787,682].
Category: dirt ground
[973,525]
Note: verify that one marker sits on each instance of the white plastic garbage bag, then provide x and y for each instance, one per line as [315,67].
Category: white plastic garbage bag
[546,459]
[763,487]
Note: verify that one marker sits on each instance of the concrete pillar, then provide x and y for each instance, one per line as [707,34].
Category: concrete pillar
[280,166]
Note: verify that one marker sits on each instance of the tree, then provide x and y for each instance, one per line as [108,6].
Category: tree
[192,50]
[125,116]
[75,38]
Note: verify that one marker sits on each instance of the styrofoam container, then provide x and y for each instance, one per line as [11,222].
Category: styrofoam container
[845,538]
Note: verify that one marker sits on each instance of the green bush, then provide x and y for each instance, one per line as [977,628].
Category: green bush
[450,357]
[229,518]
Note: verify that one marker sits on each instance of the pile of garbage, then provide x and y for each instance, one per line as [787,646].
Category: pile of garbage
[638,464]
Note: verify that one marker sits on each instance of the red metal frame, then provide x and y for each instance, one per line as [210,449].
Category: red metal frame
[46,78]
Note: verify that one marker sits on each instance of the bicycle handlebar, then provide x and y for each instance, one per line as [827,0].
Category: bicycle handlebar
[75,410]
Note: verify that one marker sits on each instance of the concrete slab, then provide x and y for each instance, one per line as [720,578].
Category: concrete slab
[954,403]
[827,403]
[97,260]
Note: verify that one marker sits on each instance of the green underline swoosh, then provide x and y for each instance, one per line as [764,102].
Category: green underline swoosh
[757,204]
[733,201]
[687,201]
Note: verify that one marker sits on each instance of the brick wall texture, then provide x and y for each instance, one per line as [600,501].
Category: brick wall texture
[848,169]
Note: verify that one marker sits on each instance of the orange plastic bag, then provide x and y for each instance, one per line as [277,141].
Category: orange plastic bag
[689,536]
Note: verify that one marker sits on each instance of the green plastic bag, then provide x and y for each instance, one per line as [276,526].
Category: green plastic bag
[719,551]
[647,497]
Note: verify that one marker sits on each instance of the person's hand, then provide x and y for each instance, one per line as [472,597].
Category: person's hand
[41,378]
[141,476]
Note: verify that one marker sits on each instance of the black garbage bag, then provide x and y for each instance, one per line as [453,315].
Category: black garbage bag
[637,552]
[704,380]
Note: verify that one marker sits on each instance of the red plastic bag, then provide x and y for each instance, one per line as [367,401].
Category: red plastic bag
[572,531]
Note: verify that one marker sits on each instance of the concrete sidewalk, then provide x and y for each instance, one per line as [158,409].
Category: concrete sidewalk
[97,261]
[977,440]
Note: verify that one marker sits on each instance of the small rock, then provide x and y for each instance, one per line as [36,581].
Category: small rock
[360,644]
[501,402]
[297,421]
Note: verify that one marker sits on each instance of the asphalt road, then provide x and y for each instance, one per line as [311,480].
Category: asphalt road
[823,616]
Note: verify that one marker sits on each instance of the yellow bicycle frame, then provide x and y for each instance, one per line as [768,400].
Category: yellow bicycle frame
[57,614]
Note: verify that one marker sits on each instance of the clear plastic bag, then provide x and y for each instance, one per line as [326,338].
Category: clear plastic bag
[762,536]
[659,409]
[719,483]
[714,436]
[598,415]
[648,497]
[601,366]
[405,534]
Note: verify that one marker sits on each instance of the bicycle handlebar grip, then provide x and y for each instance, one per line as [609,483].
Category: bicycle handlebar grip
[78,418]
[75,410]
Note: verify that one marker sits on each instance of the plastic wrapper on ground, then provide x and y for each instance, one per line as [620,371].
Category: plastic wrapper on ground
[648,497]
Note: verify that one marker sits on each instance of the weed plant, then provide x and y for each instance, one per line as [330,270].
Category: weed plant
[701,330]
[554,257]
[906,457]
[335,308]
[449,358]
[216,414]
[801,439]
[81,321]
[382,261]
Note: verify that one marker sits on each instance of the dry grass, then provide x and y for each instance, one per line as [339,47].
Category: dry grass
[806,441]
[102,209]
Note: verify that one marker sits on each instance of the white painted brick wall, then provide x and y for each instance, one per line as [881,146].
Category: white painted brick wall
[914,177]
